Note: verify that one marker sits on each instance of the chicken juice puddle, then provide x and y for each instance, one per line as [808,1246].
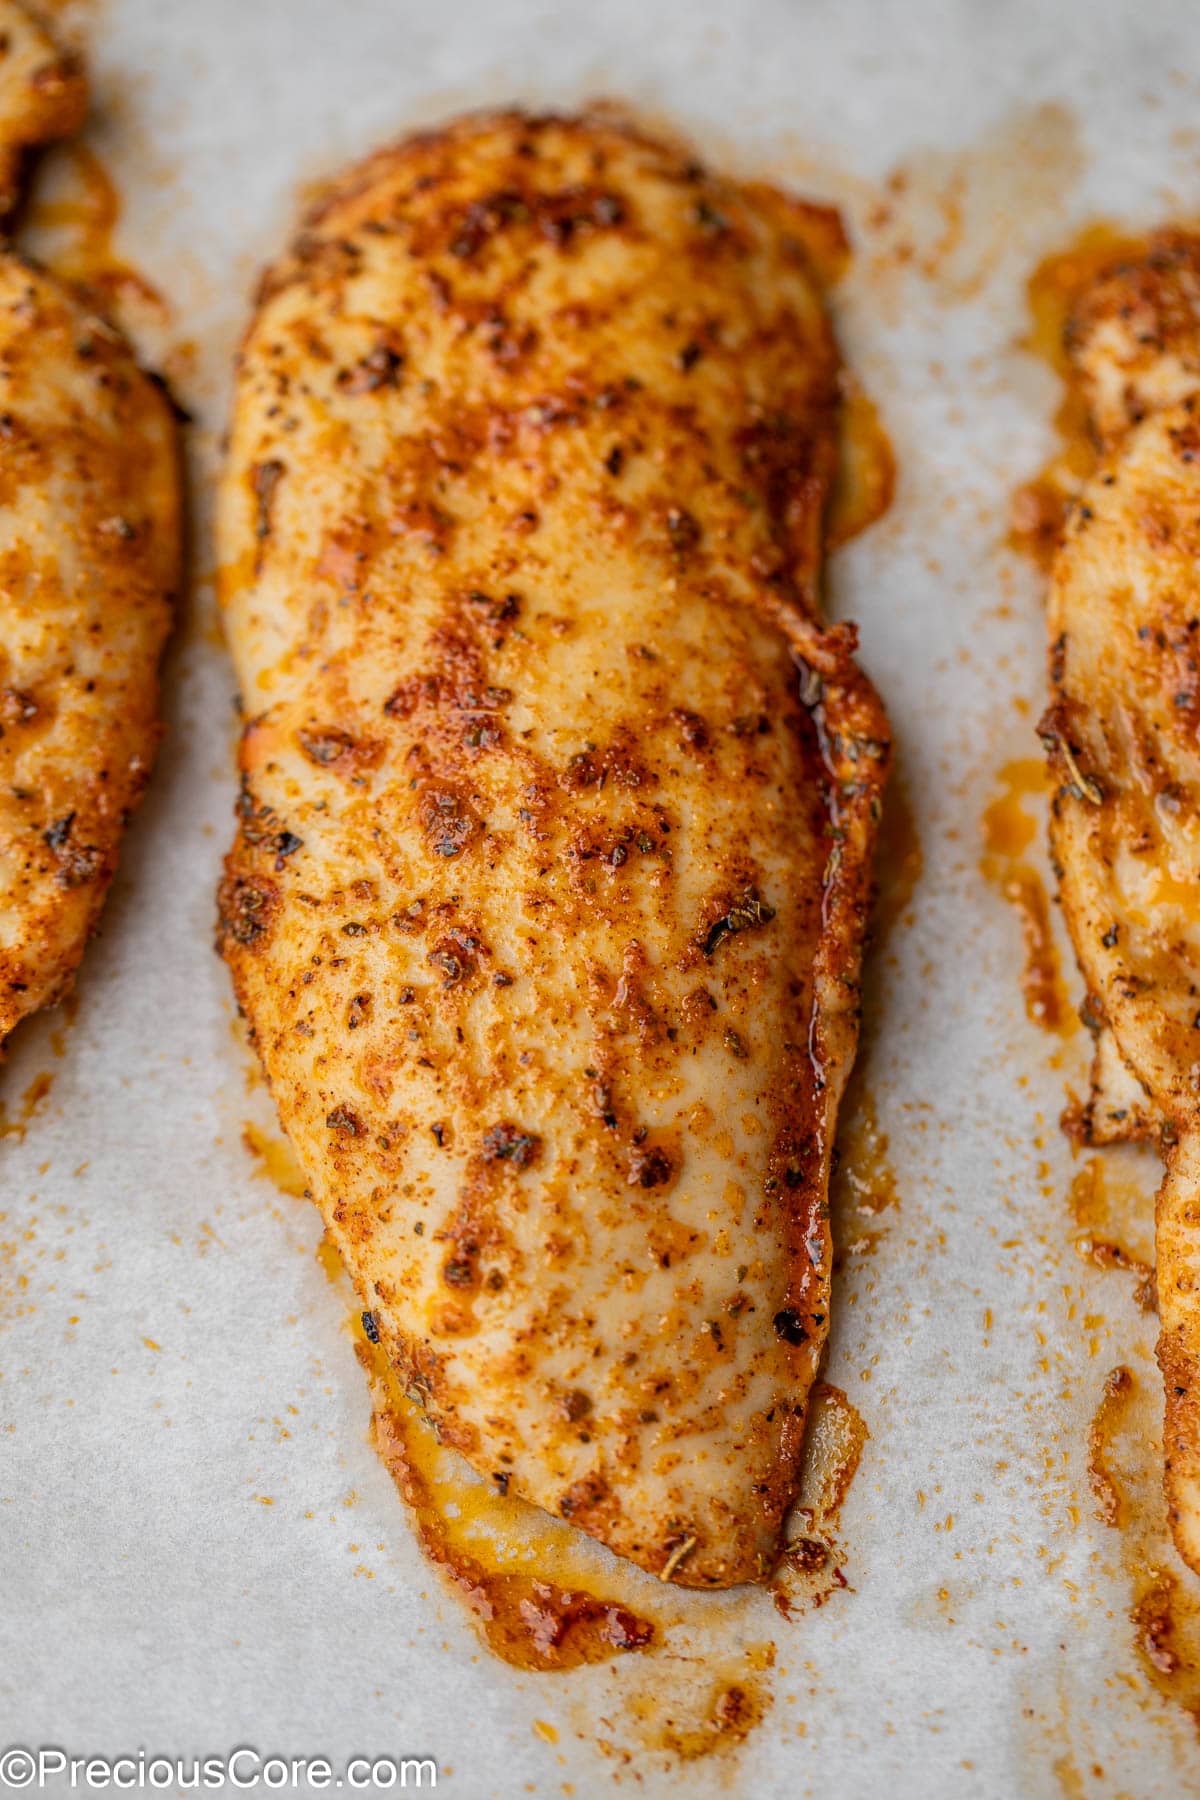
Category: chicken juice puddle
[695,1670]
[530,1580]
[69,222]
[863,1187]
[1009,828]
[531,1609]
[544,1599]
[1125,1473]
[1114,1223]
[866,476]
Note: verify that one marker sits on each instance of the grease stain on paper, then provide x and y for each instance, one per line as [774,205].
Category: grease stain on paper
[1009,828]
[275,1161]
[1125,1474]
[955,217]
[1111,1210]
[863,1187]
[15,1125]
[866,478]
[516,1569]
[69,222]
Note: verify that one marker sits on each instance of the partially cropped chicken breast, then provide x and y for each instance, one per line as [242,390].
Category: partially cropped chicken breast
[1124,739]
[551,877]
[89,557]
[43,93]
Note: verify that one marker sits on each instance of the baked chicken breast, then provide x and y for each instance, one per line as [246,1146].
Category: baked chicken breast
[1123,735]
[89,555]
[43,94]
[552,867]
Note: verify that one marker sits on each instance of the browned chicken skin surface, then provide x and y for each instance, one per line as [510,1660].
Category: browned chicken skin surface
[552,869]
[43,94]
[1124,749]
[89,557]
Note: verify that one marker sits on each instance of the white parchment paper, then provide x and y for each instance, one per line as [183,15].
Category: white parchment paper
[172,1356]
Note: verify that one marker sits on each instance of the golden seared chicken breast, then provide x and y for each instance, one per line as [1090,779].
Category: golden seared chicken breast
[89,555]
[43,93]
[1123,734]
[551,875]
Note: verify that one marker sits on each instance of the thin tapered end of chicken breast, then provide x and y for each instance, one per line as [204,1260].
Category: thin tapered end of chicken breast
[1118,1109]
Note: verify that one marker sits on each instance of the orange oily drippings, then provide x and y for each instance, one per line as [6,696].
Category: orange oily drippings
[1009,829]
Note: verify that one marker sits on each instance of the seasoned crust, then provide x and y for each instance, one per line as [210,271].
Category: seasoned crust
[1122,734]
[90,524]
[1133,335]
[43,93]
[559,805]
[1118,1109]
